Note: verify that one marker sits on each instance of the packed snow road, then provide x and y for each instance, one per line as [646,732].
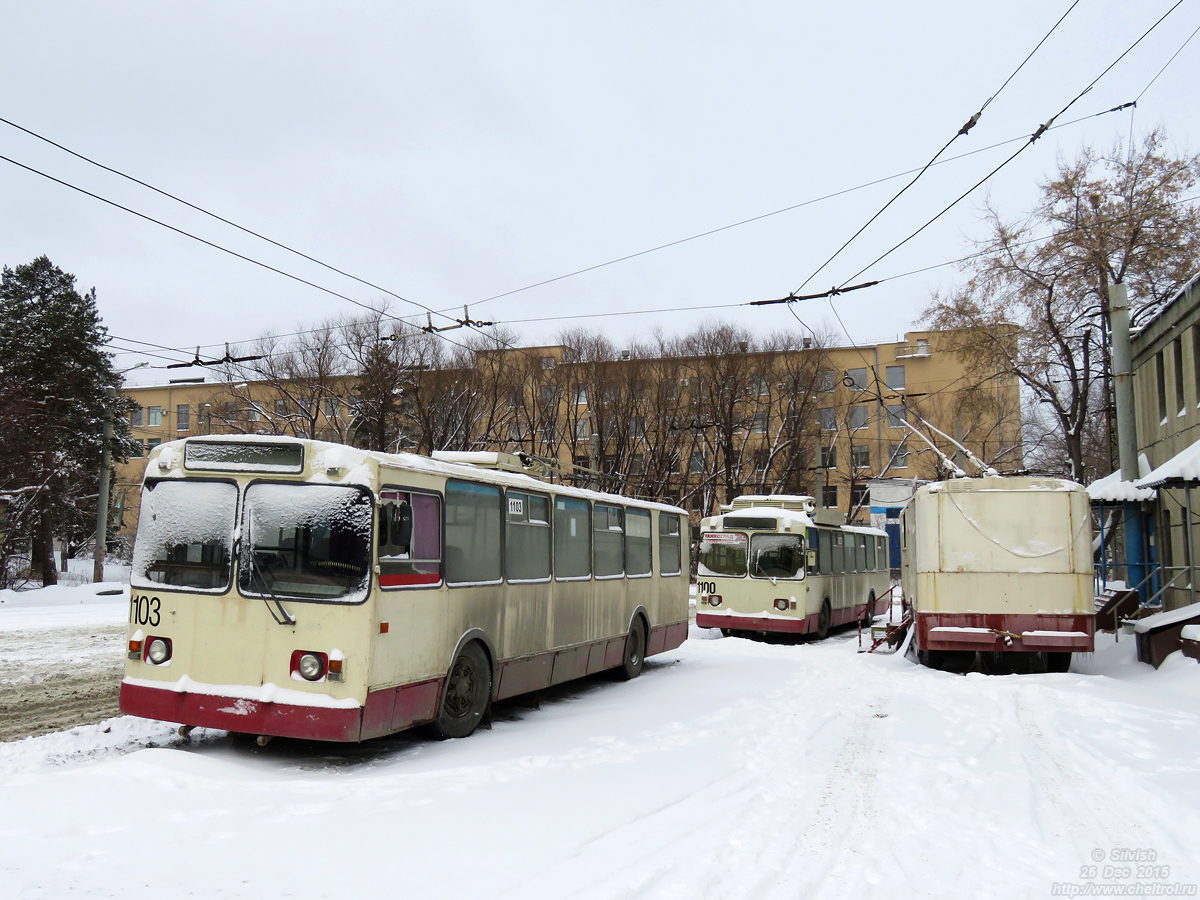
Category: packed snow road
[730,769]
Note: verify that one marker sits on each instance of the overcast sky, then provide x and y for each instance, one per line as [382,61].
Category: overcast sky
[449,152]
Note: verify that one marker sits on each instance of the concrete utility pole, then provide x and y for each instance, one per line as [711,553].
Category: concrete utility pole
[1122,364]
[102,500]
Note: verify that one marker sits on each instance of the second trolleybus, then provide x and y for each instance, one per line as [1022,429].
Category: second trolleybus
[779,564]
[285,587]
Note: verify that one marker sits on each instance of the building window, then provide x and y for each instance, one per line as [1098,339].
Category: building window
[151,443]
[581,395]
[135,417]
[281,407]
[1177,347]
[154,416]
[673,465]
[826,380]
[897,415]
[895,378]
[547,362]
[183,417]
[1161,370]
[637,427]
[828,418]
[548,394]
[760,422]
[857,379]
[859,498]
[515,432]
[858,417]
[696,462]
[829,457]
[583,429]
[1196,361]
[829,498]
[898,456]
[252,414]
[762,386]
[860,456]
[331,407]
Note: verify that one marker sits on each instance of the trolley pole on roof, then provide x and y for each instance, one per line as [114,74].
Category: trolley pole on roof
[1122,363]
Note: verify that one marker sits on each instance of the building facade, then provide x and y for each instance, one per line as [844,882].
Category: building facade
[693,428]
[1166,378]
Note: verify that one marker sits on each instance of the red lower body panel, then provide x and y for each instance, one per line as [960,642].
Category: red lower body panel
[780,624]
[1006,632]
[248,716]
[387,710]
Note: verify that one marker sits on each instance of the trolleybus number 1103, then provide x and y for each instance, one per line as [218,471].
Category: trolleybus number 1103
[144,610]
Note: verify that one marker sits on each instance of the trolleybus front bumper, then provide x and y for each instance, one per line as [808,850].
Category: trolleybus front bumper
[761,622]
[386,711]
[1006,632]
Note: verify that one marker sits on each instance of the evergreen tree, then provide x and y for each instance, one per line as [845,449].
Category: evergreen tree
[54,367]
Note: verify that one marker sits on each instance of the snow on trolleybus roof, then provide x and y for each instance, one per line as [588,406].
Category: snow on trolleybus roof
[351,465]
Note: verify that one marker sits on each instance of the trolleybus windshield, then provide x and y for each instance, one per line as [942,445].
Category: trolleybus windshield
[777,556]
[306,541]
[185,535]
[722,553]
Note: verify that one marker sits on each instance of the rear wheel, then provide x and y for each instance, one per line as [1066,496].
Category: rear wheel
[467,694]
[824,618]
[868,616]
[635,652]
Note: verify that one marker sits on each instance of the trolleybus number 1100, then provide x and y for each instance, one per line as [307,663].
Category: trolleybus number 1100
[144,610]
[706,587]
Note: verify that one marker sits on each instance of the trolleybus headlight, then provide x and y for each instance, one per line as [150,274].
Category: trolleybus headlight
[310,666]
[158,651]
[714,599]
[781,605]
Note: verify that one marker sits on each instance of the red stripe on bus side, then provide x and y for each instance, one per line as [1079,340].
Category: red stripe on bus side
[395,580]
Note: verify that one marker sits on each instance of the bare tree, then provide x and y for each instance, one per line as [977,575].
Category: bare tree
[1034,305]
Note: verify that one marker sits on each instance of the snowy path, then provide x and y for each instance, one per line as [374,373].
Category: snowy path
[730,769]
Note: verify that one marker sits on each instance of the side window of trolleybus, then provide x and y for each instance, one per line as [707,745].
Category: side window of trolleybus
[669,545]
[637,542]
[527,537]
[473,522]
[777,556]
[306,541]
[410,539]
[572,539]
[185,535]
[722,553]
[608,525]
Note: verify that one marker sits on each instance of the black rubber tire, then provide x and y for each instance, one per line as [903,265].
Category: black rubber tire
[726,632]
[824,619]
[467,693]
[635,652]
[1058,661]
[868,616]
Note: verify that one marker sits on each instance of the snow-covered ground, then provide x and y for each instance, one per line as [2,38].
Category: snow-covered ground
[730,769]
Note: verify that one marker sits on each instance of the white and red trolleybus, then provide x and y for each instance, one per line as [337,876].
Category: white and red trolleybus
[295,588]
[778,564]
[1002,566]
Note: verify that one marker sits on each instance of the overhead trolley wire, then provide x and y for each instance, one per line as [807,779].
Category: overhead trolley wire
[1042,129]
[219,218]
[965,129]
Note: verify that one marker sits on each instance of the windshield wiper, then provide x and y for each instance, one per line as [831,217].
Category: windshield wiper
[256,573]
